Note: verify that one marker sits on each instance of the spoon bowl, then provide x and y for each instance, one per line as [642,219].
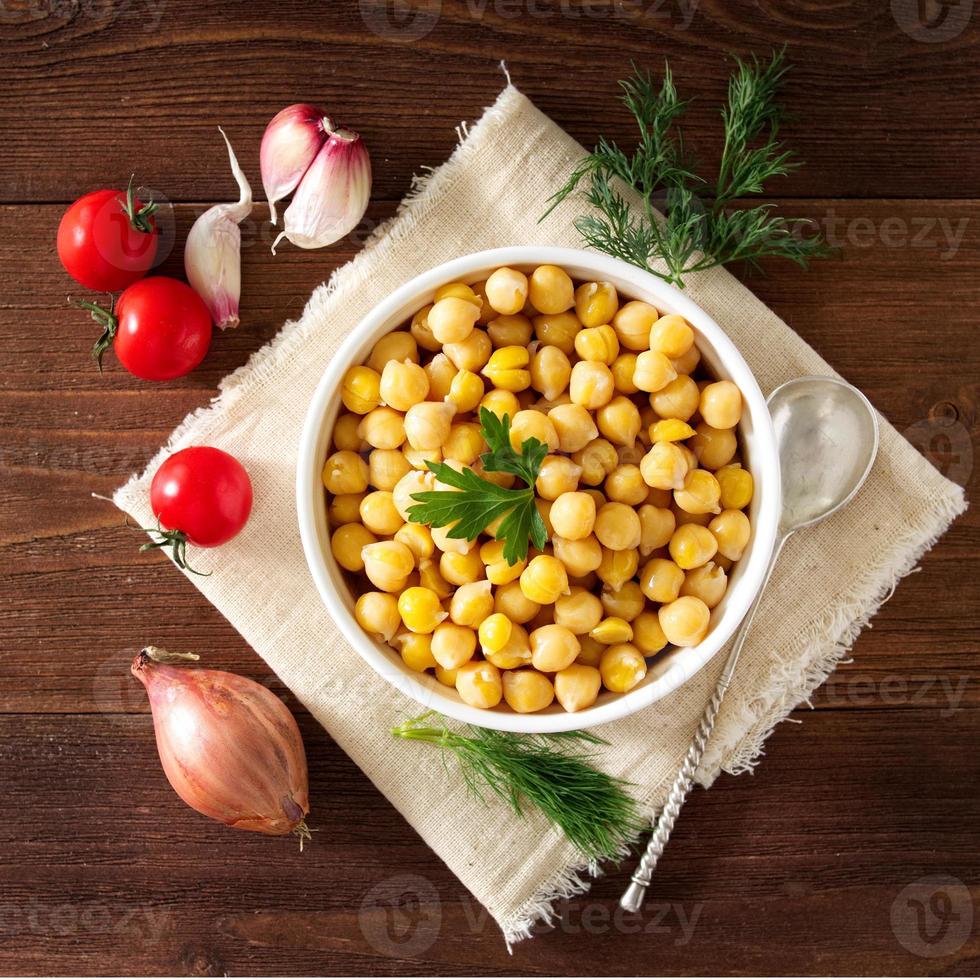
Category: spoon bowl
[827,437]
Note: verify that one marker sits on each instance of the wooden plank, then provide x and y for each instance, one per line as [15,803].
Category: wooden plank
[141,85]
[796,870]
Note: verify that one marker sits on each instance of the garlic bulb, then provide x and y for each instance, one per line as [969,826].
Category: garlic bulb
[326,168]
[212,253]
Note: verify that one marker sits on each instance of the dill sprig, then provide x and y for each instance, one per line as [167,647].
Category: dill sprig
[686,222]
[475,503]
[591,808]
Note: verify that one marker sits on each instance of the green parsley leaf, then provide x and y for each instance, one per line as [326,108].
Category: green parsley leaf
[475,502]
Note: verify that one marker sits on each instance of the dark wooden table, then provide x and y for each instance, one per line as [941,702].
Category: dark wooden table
[812,865]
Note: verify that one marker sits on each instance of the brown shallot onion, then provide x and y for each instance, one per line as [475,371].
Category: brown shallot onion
[230,748]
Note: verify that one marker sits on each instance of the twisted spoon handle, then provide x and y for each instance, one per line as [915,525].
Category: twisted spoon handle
[632,899]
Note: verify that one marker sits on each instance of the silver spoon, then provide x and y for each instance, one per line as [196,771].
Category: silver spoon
[827,438]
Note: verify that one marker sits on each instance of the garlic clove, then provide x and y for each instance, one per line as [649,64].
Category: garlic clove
[212,253]
[289,145]
[333,194]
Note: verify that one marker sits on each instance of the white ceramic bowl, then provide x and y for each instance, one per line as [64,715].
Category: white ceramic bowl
[668,670]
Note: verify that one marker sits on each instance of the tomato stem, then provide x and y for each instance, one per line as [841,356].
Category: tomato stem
[176,541]
[140,220]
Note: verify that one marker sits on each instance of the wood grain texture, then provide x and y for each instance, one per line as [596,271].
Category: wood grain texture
[798,869]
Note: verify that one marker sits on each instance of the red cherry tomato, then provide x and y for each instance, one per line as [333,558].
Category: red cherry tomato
[203,495]
[107,240]
[160,329]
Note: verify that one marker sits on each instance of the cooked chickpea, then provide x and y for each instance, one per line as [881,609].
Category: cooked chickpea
[661,580]
[707,583]
[686,363]
[670,430]
[421,332]
[597,459]
[527,691]
[388,564]
[559,329]
[470,354]
[632,324]
[427,424]
[625,485]
[359,391]
[386,467]
[664,467]
[479,684]
[736,486]
[732,530]
[499,571]
[510,331]
[417,538]
[345,435]
[685,621]
[415,481]
[579,611]
[465,391]
[471,604]
[379,514]
[648,637]
[550,371]
[347,544]
[591,651]
[573,515]
[671,335]
[591,384]
[345,508]
[579,557]
[377,613]
[597,344]
[618,567]
[459,569]
[516,652]
[416,650]
[714,447]
[558,475]
[507,369]
[623,369]
[345,472]
[465,443]
[596,303]
[612,630]
[443,539]
[453,645]
[617,526]
[397,346]
[622,667]
[403,384]
[577,686]
[700,494]
[507,290]
[495,632]
[452,319]
[529,423]
[550,289]
[553,647]
[544,579]
[681,516]
[626,602]
[440,373]
[692,546]
[677,400]
[619,421]
[383,428]
[431,578]
[653,371]
[657,525]
[446,677]
[721,405]
[574,426]
[501,403]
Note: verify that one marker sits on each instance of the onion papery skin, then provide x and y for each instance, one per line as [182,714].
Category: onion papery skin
[229,747]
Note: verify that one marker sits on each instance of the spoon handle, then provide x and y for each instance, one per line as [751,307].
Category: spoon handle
[632,899]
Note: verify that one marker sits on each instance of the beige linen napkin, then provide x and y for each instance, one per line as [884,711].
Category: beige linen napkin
[488,194]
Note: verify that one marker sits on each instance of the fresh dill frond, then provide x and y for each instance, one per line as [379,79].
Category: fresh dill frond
[475,503]
[593,809]
[686,223]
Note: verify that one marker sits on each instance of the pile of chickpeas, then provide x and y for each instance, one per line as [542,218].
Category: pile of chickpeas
[643,493]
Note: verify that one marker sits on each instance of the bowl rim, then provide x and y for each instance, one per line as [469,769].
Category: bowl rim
[309,490]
